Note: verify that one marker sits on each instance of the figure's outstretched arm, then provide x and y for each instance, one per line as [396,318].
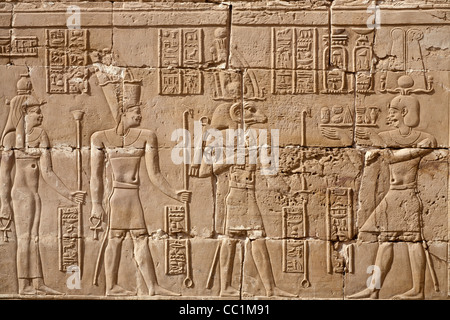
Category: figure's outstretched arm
[369,134]
[154,171]
[424,148]
[96,182]
[401,155]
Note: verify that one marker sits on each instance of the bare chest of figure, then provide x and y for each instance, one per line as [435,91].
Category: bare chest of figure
[131,140]
[404,172]
[124,153]
[27,164]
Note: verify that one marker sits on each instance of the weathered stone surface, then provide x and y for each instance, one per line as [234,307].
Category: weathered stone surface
[244,150]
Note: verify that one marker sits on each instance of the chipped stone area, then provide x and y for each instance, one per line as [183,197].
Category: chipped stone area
[209,150]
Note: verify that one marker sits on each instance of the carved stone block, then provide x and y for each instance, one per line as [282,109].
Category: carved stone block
[207,150]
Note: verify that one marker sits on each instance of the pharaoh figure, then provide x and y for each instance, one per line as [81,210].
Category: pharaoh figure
[122,148]
[398,216]
[27,147]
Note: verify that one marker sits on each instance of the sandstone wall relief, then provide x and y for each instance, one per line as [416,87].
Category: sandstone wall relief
[239,150]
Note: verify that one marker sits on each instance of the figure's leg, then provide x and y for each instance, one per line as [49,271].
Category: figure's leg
[418,266]
[227,253]
[24,207]
[262,261]
[144,260]
[112,261]
[35,256]
[41,288]
[383,261]
[25,287]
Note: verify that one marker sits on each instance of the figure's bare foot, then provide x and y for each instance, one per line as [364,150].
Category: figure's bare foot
[229,292]
[277,292]
[410,295]
[119,291]
[160,291]
[365,294]
[43,289]
[27,290]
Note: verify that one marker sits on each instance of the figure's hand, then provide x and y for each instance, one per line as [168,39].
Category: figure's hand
[425,143]
[184,196]
[78,196]
[362,133]
[5,214]
[371,156]
[194,170]
[97,213]
[96,219]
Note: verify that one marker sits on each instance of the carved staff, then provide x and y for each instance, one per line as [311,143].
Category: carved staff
[305,282]
[186,162]
[328,232]
[199,146]
[188,280]
[5,226]
[186,157]
[194,171]
[304,114]
[212,269]
[78,116]
[430,266]
[427,252]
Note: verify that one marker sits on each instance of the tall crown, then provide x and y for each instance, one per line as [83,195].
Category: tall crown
[131,93]
[24,85]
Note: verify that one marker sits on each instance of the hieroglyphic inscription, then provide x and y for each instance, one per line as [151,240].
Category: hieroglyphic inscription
[362,62]
[175,218]
[294,229]
[295,247]
[339,225]
[336,54]
[69,237]
[338,120]
[335,119]
[18,46]
[308,79]
[176,256]
[66,61]
[181,49]
[294,60]
[294,222]
[294,252]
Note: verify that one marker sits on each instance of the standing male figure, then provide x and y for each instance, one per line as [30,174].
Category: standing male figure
[242,214]
[398,215]
[124,147]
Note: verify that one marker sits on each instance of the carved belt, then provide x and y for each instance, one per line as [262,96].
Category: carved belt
[27,156]
[242,178]
[412,185]
[246,167]
[237,185]
[124,185]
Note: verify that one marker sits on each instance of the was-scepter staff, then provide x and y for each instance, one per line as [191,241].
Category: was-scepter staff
[186,164]
[70,219]
[78,116]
